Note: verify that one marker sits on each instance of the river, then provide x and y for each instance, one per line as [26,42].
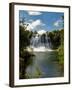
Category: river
[44,65]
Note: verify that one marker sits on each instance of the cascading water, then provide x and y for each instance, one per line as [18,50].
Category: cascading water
[40,42]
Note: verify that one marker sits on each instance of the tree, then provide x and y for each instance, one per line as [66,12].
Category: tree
[24,55]
[55,38]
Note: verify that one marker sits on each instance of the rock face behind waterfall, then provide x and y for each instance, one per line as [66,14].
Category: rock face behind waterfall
[41,41]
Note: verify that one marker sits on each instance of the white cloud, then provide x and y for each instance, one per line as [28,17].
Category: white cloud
[34,24]
[41,32]
[58,22]
[34,13]
[29,27]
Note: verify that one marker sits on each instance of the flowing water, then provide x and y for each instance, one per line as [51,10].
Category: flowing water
[44,65]
[38,41]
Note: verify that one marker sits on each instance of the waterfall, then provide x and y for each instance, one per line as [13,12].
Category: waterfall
[40,42]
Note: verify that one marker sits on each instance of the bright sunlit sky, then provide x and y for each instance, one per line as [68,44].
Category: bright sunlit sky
[39,20]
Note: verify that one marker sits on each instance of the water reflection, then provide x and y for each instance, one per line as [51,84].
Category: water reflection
[45,64]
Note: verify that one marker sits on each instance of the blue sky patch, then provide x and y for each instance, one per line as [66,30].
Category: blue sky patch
[41,20]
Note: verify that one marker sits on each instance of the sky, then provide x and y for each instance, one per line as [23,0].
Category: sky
[41,20]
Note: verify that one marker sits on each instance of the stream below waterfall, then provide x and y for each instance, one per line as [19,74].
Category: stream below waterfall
[44,65]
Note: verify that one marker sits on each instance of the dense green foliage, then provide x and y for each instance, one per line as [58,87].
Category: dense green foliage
[55,38]
[61,49]
[25,56]
[24,37]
